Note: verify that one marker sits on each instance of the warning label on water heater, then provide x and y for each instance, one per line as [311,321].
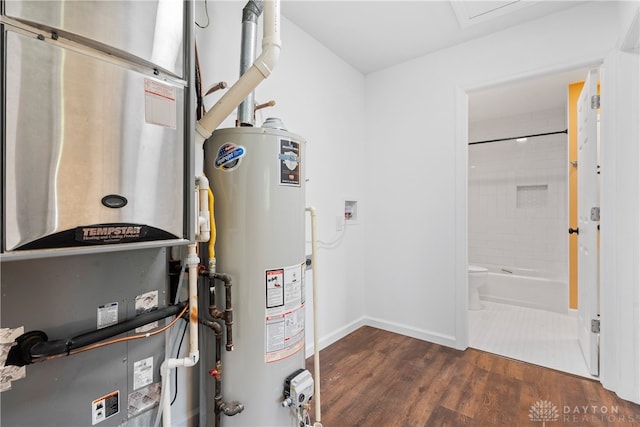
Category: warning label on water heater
[289,158]
[284,312]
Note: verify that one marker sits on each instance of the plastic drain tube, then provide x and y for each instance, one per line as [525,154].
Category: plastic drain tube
[316,350]
[194,354]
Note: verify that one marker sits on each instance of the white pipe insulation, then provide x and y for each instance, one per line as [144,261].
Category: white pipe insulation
[260,70]
[194,353]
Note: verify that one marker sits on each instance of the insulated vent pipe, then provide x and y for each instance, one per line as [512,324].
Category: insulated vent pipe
[250,14]
[260,70]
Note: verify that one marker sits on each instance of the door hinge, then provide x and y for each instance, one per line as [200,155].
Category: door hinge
[595,326]
[595,102]
[595,213]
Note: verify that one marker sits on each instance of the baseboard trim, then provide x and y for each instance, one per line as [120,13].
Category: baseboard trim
[336,335]
[421,334]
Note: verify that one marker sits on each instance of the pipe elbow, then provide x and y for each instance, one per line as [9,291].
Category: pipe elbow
[213,325]
[184,362]
[193,359]
[201,135]
[204,236]
[204,227]
[223,277]
[203,182]
[164,368]
[267,60]
[252,10]
[232,408]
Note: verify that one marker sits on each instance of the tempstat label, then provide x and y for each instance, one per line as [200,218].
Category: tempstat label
[110,233]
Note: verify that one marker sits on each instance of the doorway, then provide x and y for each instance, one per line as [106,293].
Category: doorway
[518,215]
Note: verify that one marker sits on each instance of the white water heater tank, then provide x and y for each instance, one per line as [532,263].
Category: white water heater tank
[257,177]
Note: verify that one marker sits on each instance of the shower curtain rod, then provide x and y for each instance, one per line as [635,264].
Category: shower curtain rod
[518,137]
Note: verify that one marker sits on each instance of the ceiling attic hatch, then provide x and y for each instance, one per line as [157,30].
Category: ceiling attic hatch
[472,12]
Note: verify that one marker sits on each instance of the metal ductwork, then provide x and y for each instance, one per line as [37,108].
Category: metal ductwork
[250,14]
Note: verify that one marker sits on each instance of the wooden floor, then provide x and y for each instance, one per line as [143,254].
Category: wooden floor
[376,378]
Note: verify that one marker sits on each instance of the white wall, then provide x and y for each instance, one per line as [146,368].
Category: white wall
[407,172]
[620,238]
[416,174]
[517,198]
[321,98]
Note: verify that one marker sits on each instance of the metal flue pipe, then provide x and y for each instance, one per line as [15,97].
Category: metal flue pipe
[250,14]
[260,70]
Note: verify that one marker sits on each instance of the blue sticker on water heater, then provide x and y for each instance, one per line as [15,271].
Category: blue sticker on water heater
[229,156]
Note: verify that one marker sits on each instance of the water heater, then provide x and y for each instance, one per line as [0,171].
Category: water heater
[257,176]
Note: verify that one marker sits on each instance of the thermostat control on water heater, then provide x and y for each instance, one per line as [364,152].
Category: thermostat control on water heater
[298,388]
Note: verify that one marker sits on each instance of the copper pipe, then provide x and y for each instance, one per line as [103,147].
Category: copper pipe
[215,87]
[271,103]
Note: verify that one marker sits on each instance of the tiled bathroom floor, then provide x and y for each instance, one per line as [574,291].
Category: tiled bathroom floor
[536,336]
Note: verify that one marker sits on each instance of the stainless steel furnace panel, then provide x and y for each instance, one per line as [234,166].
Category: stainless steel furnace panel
[94,152]
[150,30]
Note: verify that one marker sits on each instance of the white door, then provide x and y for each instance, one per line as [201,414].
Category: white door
[588,320]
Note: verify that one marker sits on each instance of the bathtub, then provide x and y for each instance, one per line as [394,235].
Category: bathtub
[526,288]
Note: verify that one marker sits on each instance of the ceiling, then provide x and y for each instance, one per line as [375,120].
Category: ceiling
[535,94]
[372,35]
[375,34]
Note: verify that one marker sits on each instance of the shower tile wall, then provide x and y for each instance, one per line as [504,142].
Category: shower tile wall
[518,203]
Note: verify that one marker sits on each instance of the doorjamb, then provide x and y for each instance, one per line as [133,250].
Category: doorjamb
[462,177]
